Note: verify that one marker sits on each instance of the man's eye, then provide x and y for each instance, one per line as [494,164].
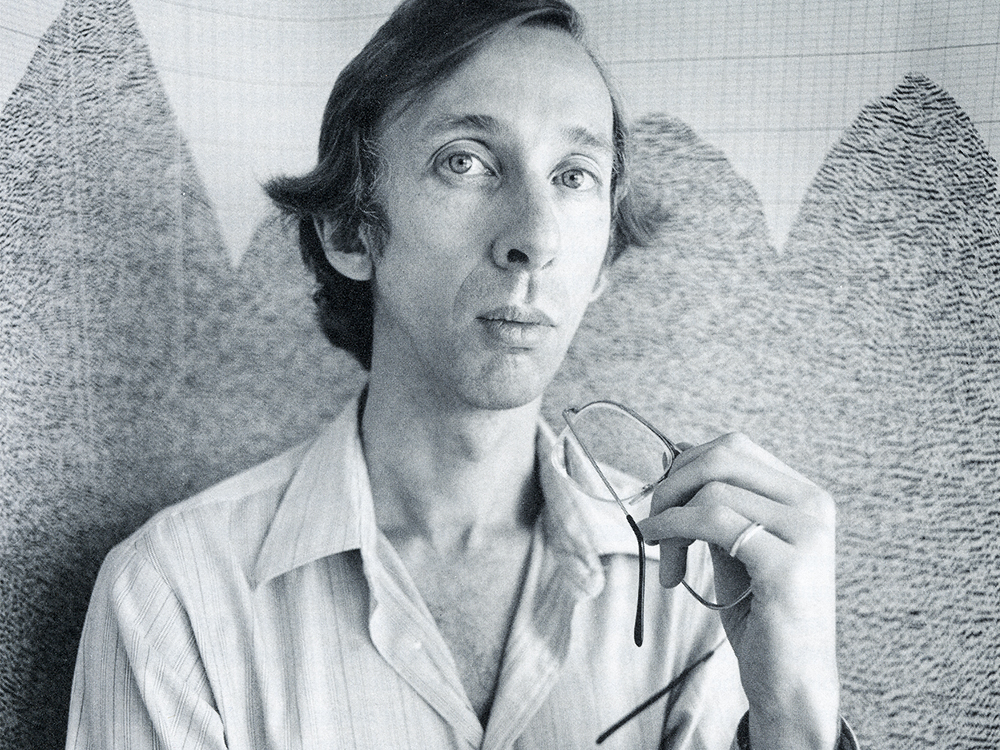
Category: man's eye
[576,179]
[466,164]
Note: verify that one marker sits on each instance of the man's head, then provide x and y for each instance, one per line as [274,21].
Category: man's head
[422,44]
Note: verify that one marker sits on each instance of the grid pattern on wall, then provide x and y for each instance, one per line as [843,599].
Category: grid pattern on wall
[773,83]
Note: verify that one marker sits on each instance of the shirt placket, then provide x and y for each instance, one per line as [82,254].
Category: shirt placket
[406,636]
[539,642]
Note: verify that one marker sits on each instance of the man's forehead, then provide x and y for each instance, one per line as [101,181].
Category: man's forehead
[526,75]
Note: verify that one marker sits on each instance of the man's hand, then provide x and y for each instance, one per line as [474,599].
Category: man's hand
[784,635]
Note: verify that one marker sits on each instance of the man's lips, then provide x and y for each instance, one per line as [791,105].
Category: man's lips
[518,315]
[516,326]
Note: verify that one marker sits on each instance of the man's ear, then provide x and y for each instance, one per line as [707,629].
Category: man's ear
[357,266]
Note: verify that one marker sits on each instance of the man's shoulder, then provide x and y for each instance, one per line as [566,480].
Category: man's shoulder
[262,484]
[223,524]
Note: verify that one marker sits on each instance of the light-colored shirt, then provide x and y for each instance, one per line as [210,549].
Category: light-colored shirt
[270,612]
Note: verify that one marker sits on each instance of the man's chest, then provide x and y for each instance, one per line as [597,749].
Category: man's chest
[473,600]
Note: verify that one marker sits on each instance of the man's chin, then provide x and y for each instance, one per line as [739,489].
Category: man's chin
[507,385]
[503,401]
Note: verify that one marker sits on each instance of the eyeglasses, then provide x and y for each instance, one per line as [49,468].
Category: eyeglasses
[624,458]
[677,682]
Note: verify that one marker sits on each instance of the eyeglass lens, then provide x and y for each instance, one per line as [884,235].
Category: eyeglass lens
[624,458]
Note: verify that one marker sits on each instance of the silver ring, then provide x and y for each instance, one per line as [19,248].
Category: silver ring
[744,536]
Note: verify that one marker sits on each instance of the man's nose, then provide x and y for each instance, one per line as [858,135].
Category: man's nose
[529,235]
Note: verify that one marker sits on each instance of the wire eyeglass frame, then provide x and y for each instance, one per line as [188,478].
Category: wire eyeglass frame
[671,452]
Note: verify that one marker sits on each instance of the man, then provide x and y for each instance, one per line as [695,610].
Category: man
[423,574]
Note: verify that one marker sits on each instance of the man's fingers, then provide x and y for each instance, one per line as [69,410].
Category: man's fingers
[735,461]
[673,561]
[718,524]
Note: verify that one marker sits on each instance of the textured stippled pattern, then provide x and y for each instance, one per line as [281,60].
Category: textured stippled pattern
[137,366]
[130,351]
[893,282]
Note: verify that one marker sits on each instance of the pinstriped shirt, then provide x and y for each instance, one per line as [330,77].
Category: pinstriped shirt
[270,612]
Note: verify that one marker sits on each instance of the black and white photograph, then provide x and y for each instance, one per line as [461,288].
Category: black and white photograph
[499,374]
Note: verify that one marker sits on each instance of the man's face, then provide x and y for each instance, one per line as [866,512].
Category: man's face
[497,192]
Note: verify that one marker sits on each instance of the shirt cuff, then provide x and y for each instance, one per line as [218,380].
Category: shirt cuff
[847,740]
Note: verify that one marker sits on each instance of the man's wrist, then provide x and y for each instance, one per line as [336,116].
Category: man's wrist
[846,740]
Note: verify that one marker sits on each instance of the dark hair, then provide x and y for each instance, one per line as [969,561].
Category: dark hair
[421,44]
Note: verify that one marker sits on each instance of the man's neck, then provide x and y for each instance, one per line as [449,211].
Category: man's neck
[454,477]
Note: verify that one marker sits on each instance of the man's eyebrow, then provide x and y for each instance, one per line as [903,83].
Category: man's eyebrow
[483,123]
[585,137]
[576,135]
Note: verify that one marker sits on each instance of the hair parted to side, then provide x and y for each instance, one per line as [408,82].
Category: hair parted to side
[421,44]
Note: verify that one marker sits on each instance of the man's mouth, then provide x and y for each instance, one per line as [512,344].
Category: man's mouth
[518,315]
[517,326]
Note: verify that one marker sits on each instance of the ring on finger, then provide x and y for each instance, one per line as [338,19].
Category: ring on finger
[744,537]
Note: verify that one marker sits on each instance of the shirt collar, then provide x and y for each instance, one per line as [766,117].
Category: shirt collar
[596,526]
[328,508]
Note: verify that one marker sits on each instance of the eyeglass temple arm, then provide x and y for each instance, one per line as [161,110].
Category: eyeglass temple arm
[678,680]
[637,632]
[593,462]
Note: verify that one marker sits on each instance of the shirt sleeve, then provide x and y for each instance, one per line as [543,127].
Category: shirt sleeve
[846,741]
[139,681]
